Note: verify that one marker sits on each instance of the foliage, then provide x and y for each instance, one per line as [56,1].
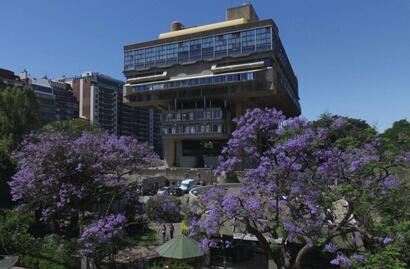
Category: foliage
[394,255]
[7,169]
[163,208]
[353,133]
[16,237]
[19,114]
[397,138]
[143,238]
[73,182]
[302,182]
[72,128]
[184,228]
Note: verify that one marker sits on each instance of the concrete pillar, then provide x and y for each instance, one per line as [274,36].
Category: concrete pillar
[169,152]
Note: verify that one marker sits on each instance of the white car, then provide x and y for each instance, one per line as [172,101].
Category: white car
[163,190]
[187,185]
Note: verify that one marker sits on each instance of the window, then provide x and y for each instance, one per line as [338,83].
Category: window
[200,115]
[221,46]
[172,54]
[195,50]
[183,52]
[248,41]
[208,48]
[263,39]
[161,54]
[185,116]
[216,114]
[234,44]
[150,57]
[205,48]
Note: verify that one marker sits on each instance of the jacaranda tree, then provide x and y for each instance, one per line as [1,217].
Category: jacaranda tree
[301,188]
[79,183]
[163,208]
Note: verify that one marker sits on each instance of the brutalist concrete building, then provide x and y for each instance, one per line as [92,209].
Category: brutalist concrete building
[202,77]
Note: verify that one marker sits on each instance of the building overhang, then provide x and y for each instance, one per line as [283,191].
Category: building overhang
[237,67]
[136,80]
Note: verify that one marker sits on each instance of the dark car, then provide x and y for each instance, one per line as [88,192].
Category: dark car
[175,191]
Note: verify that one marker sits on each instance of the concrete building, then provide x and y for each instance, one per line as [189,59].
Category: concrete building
[66,103]
[202,77]
[100,100]
[44,94]
[9,79]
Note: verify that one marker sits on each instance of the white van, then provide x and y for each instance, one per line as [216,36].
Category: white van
[187,185]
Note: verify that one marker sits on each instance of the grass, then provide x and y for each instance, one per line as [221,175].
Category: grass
[146,239]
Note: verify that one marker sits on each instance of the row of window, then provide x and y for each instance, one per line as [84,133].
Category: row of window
[194,129]
[193,115]
[207,48]
[195,82]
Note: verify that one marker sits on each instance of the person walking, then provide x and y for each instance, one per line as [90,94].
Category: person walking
[164,233]
[171,230]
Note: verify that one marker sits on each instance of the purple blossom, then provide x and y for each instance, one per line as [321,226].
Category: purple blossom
[330,247]
[100,232]
[358,258]
[388,240]
[342,260]
[294,171]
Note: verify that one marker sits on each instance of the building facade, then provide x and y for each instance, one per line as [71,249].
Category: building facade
[44,94]
[200,78]
[66,104]
[9,79]
[100,100]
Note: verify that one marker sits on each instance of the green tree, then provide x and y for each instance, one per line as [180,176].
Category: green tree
[355,132]
[73,128]
[397,138]
[19,115]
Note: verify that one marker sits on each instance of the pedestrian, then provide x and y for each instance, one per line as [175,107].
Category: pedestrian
[171,230]
[164,232]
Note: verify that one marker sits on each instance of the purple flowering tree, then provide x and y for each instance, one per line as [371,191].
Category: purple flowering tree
[300,188]
[79,182]
[163,208]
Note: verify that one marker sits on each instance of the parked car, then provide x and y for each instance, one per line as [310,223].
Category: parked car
[176,191]
[187,185]
[164,189]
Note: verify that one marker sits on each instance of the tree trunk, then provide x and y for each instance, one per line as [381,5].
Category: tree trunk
[272,264]
[300,256]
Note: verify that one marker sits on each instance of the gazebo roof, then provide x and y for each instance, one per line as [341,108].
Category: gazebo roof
[181,247]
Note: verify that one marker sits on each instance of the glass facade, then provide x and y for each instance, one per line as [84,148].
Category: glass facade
[217,128]
[207,48]
[185,83]
[198,114]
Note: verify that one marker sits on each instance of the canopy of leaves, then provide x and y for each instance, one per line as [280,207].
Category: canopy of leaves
[72,128]
[19,114]
[397,138]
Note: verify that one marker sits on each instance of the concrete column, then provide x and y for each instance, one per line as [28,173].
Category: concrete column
[169,152]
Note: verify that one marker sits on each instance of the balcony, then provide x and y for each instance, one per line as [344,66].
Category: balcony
[194,82]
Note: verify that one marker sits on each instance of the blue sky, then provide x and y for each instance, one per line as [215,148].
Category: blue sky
[351,57]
